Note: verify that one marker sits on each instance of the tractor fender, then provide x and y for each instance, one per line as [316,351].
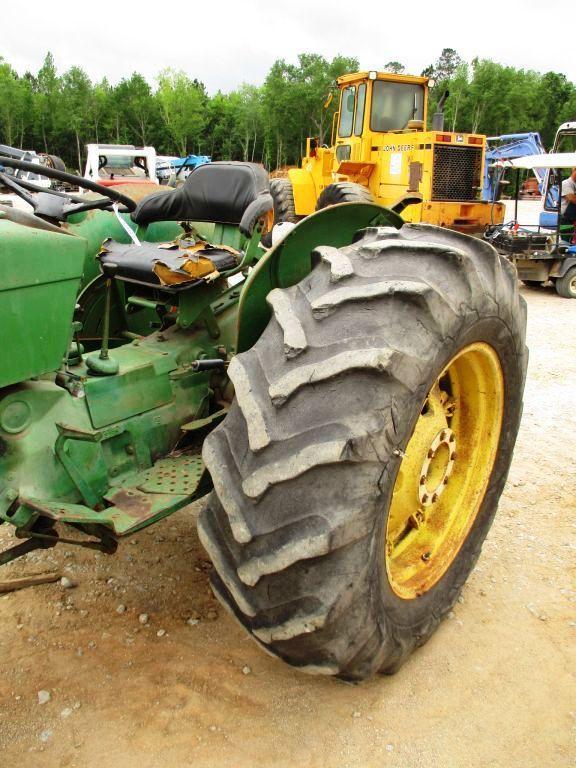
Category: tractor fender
[561,266]
[290,260]
[304,191]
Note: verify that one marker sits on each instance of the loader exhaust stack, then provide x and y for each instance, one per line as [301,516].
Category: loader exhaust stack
[438,119]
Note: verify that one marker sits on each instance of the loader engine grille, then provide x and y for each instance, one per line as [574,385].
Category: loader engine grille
[456,172]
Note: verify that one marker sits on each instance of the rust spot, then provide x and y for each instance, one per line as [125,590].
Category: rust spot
[136,505]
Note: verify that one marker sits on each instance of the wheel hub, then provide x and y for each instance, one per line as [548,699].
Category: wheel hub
[439,489]
[437,467]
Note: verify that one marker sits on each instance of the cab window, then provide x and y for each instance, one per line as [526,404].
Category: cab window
[395,104]
[346,111]
[343,152]
[565,142]
[361,101]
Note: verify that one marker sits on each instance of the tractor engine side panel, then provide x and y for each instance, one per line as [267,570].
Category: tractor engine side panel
[40,275]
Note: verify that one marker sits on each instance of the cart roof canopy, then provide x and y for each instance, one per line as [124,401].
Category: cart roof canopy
[552,160]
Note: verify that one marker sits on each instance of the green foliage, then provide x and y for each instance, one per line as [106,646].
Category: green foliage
[60,113]
[395,67]
[494,99]
[293,98]
[182,104]
[445,65]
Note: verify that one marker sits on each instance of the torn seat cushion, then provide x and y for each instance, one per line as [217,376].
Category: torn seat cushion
[139,263]
[222,192]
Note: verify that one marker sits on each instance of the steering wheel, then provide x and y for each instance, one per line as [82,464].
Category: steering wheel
[52,205]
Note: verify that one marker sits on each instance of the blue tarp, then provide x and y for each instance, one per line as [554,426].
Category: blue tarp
[190,161]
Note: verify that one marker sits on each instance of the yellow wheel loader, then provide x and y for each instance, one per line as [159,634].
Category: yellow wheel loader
[380,151]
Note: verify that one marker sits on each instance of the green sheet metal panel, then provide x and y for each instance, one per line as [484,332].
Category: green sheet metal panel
[115,398]
[39,279]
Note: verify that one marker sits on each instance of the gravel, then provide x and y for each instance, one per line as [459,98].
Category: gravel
[44,697]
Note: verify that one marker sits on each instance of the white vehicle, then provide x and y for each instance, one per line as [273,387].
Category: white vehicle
[564,144]
[565,140]
[113,164]
[165,168]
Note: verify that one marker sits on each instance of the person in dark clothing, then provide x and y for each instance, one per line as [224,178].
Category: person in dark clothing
[568,204]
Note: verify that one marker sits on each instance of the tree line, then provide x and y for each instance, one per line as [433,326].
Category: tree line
[60,113]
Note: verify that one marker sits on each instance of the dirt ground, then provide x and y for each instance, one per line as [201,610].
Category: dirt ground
[494,687]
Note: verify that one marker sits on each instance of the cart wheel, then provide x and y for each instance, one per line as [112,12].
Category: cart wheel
[566,285]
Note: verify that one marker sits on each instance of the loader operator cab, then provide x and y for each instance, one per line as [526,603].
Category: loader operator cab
[374,103]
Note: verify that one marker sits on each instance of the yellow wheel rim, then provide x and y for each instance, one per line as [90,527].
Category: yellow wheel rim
[445,471]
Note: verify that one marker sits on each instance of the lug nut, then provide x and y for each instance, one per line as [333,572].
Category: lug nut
[426,556]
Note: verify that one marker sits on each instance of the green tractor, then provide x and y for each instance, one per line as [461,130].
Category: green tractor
[349,399]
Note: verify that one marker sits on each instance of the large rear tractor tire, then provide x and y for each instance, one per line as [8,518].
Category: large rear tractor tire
[359,469]
[343,192]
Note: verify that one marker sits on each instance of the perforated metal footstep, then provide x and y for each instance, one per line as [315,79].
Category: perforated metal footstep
[179,475]
[155,493]
[141,500]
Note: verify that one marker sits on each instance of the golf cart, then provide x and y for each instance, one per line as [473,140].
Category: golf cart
[540,254]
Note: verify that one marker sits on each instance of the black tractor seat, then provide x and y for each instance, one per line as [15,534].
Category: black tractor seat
[139,264]
[232,193]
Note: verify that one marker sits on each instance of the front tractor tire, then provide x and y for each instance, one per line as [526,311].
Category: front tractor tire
[360,466]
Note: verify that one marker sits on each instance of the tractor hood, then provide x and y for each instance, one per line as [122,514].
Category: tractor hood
[40,275]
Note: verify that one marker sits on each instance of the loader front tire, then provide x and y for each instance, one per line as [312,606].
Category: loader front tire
[284,206]
[283,196]
[360,466]
[343,192]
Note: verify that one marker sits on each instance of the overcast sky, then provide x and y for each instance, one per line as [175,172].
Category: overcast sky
[226,43]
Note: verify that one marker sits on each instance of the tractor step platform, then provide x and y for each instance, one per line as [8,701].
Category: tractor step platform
[139,501]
